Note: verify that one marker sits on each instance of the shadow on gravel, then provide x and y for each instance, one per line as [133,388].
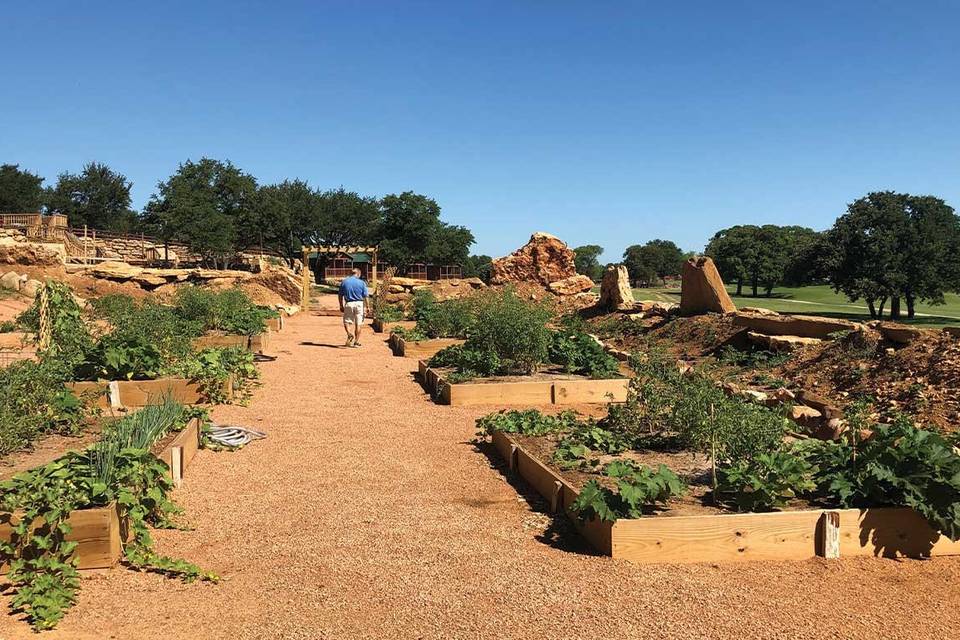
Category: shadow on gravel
[322,344]
[560,533]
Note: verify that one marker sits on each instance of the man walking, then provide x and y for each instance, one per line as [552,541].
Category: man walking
[353,293]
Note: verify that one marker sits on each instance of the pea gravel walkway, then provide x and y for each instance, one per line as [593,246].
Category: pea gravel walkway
[367,514]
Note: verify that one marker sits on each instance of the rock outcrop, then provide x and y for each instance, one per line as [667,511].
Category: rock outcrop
[571,286]
[702,290]
[10,281]
[615,291]
[544,259]
[801,326]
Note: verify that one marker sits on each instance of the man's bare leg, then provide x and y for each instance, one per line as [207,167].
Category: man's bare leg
[346,327]
[356,334]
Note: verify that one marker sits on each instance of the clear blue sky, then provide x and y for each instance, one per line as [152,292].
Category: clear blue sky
[602,122]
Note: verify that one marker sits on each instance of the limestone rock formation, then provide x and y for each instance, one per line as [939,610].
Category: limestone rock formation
[800,326]
[702,290]
[30,288]
[615,291]
[544,259]
[10,281]
[571,286]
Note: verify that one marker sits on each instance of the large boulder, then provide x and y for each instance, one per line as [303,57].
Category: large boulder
[30,288]
[801,326]
[10,280]
[544,259]
[571,286]
[615,291]
[702,290]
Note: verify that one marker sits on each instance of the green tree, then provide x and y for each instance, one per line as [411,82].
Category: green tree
[411,231]
[97,197]
[654,260]
[288,213]
[478,267]
[587,263]
[210,205]
[756,255]
[895,246]
[346,217]
[20,190]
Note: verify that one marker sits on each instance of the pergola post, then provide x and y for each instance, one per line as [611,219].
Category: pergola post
[373,268]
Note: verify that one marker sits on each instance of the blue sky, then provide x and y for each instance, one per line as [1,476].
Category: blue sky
[609,123]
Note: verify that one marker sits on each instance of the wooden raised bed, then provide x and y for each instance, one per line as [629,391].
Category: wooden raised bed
[140,393]
[96,531]
[781,535]
[227,341]
[423,350]
[560,391]
[276,324]
[180,451]
[386,327]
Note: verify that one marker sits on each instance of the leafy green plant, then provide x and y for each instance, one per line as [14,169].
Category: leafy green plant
[509,336]
[529,422]
[448,319]
[230,310]
[638,490]
[8,326]
[899,465]
[211,368]
[118,357]
[752,358]
[43,575]
[766,481]
[69,337]
[578,352]
[35,402]
[390,313]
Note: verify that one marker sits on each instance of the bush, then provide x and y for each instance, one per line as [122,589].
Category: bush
[135,323]
[509,336]
[230,311]
[449,319]
[529,423]
[577,352]
[35,402]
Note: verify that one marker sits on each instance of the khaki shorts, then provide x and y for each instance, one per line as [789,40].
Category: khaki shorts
[353,312]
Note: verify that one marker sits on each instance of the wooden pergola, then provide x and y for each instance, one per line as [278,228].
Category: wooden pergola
[307,274]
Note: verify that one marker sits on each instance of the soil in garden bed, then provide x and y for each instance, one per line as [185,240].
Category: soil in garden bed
[47,449]
[692,468]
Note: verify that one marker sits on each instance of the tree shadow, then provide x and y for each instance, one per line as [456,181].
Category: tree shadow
[897,532]
[560,533]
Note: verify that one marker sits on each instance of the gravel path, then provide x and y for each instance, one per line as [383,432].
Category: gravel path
[367,513]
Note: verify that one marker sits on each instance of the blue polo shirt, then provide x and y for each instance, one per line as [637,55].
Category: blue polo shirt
[353,289]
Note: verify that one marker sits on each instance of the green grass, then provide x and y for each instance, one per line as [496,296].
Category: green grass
[821,300]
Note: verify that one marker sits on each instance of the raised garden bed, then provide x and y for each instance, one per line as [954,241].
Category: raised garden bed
[549,389]
[783,535]
[422,350]
[179,449]
[386,327]
[276,324]
[139,393]
[97,532]
[224,341]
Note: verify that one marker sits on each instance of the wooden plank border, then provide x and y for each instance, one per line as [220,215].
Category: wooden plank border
[423,350]
[182,449]
[544,392]
[96,531]
[781,535]
[379,326]
[140,393]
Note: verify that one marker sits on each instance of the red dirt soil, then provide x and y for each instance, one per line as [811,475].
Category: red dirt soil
[367,513]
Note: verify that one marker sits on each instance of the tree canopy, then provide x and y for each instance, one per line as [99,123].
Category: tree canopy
[892,246]
[757,255]
[478,267]
[97,197]
[209,205]
[20,190]
[586,261]
[652,261]
[411,231]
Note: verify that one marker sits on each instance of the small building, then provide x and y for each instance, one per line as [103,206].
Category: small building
[340,265]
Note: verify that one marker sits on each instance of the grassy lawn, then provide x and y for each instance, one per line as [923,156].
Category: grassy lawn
[821,300]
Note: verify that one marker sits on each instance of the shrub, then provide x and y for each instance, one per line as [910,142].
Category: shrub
[449,319]
[230,310]
[35,402]
[577,352]
[510,336]
[69,337]
[389,313]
